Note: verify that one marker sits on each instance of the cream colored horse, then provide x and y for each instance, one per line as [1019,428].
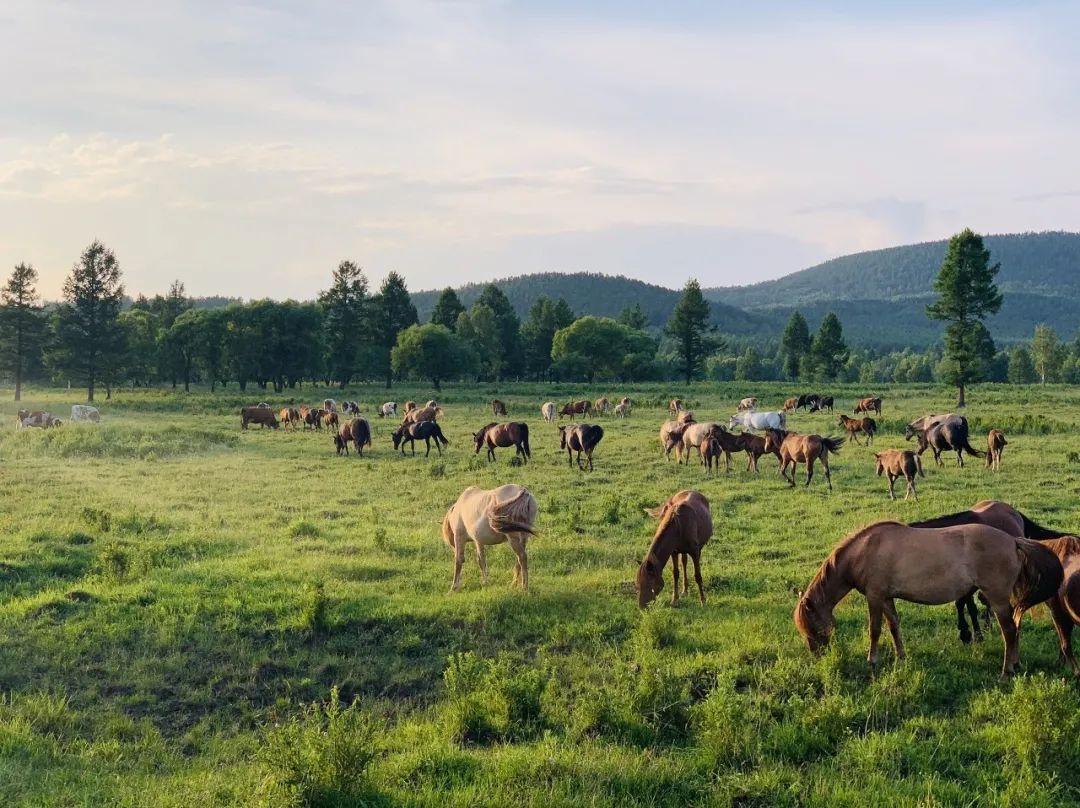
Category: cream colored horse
[487,517]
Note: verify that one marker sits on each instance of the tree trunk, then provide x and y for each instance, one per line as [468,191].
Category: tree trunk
[960,401]
[90,390]
[389,378]
[108,391]
[18,381]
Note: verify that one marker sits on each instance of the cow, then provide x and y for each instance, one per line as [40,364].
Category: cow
[572,408]
[350,408]
[548,411]
[388,409]
[263,416]
[290,416]
[749,403]
[84,412]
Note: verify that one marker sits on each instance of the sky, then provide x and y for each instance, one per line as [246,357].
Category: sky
[247,148]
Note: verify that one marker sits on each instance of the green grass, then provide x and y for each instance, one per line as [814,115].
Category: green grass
[195,615]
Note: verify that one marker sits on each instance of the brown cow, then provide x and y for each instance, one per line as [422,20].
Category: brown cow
[498,407]
[356,430]
[257,415]
[868,405]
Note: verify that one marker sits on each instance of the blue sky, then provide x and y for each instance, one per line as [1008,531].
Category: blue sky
[246,148]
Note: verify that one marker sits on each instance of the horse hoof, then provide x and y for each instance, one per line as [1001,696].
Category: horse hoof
[965,637]
[978,636]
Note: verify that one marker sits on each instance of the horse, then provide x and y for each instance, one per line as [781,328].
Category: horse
[329,405]
[514,434]
[498,407]
[790,405]
[930,421]
[748,403]
[807,400]
[675,407]
[758,420]
[330,419]
[853,426]
[889,560]
[685,528]
[357,430]
[822,403]
[995,446]
[899,463]
[388,409]
[995,514]
[867,405]
[419,430]
[622,408]
[947,435]
[580,438]
[754,446]
[724,442]
[418,414]
[572,408]
[548,411]
[1065,605]
[601,405]
[671,433]
[795,449]
[289,416]
[350,408]
[488,517]
[695,435]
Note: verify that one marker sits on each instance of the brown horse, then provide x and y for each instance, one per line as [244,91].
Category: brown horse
[498,407]
[853,426]
[357,430]
[697,435]
[685,527]
[889,560]
[995,446]
[675,407]
[868,405]
[899,463]
[330,420]
[790,404]
[1065,605]
[494,435]
[671,434]
[418,414]
[754,446]
[580,438]
[795,449]
[995,514]
[711,452]
[572,408]
[420,430]
[290,416]
[601,405]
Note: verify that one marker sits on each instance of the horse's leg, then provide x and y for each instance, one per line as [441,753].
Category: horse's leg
[911,488]
[961,622]
[892,479]
[875,631]
[1010,635]
[855,437]
[809,469]
[675,576]
[1063,625]
[697,576]
[481,560]
[588,454]
[893,619]
[685,576]
[570,458]
[517,544]
[459,559]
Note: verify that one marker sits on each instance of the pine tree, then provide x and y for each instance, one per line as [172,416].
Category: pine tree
[634,317]
[22,324]
[689,327]
[828,352]
[795,344]
[392,312]
[447,309]
[346,323]
[509,329]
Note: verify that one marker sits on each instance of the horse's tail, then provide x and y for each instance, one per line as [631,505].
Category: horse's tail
[1040,574]
[918,465]
[447,531]
[967,447]
[1033,530]
[515,516]
[439,436]
[525,440]
[832,444]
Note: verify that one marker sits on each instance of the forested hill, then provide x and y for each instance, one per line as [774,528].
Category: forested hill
[593,293]
[1032,263]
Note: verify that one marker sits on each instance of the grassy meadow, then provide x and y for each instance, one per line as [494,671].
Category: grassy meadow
[192,615]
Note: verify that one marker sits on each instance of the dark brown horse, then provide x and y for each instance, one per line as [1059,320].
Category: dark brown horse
[853,426]
[947,436]
[498,407]
[580,438]
[419,430]
[356,430]
[685,527]
[995,446]
[494,435]
[889,560]
[1065,605]
[795,449]
[754,446]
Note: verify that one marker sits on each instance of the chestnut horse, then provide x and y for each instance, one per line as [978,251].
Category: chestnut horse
[889,560]
[357,430]
[995,445]
[498,407]
[754,446]
[514,434]
[853,426]
[868,405]
[504,514]
[795,449]
[899,463]
[580,438]
[1065,605]
[685,527]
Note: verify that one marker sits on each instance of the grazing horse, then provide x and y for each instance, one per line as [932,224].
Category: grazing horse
[685,528]
[419,430]
[580,438]
[947,435]
[695,436]
[548,411]
[810,400]
[1065,605]
[601,405]
[929,421]
[498,407]
[868,405]
[289,416]
[795,449]
[622,408]
[790,405]
[822,403]
[488,517]
[889,560]
[330,419]
[754,446]
[418,414]
[853,426]
[572,408]
[899,463]
[758,420]
[514,434]
[671,434]
[749,403]
[995,514]
[357,430]
[995,446]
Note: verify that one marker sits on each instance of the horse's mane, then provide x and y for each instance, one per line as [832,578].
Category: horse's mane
[669,518]
[1063,546]
[483,430]
[815,590]
[949,520]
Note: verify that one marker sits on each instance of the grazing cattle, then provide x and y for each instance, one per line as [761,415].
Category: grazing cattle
[853,426]
[329,405]
[572,408]
[697,434]
[1065,605]
[498,407]
[290,416]
[330,420]
[685,528]
[504,514]
[548,411]
[889,560]
[995,445]
[580,438]
[675,407]
[601,406]
[810,400]
[790,404]
[357,430]
[84,412]
[257,415]
[350,408]
[747,404]
[622,409]
[754,446]
[418,414]
[795,449]
[419,430]
[868,405]
[947,435]
[759,420]
[671,434]
[899,463]
[514,434]
[388,410]
[37,420]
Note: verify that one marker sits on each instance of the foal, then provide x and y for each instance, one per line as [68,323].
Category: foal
[853,426]
[995,445]
[900,463]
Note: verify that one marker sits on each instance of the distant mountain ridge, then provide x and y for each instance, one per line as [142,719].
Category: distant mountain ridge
[879,295]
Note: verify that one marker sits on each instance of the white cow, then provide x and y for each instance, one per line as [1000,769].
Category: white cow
[758,420]
[388,409]
[548,411]
[84,412]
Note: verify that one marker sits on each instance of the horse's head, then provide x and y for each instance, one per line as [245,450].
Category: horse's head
[650,582]
[562,437]
[880,464]
[478,439]
[734,421]
[773,439]
[814,623]
[910,431]
[397,435]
